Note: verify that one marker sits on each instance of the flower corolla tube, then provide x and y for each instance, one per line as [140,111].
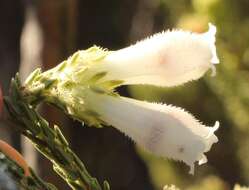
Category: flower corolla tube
[83,86]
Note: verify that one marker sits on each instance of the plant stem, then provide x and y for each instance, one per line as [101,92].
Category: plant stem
[49,141]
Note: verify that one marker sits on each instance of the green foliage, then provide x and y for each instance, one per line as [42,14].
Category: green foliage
[67,85]
[48,140]
[31,182]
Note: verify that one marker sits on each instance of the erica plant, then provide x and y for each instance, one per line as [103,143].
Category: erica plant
[83,86]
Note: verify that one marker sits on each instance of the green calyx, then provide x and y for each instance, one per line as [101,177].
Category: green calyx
[67,85]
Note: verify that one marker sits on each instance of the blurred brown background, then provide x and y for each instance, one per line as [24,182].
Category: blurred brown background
[45,32]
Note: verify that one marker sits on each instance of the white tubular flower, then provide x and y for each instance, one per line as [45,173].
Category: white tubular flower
[83,87]
[164,130]
[165,59]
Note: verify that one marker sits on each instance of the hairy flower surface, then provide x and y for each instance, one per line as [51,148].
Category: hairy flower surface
[164,130]
[83,87]
[165,59]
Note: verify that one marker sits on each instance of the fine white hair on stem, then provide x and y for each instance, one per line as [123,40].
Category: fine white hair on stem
[164,130]
[165,59]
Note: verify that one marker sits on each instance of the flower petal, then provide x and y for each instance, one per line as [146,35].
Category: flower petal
[165,59]
[164,130]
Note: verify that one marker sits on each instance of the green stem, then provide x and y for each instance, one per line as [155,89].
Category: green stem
[49,141]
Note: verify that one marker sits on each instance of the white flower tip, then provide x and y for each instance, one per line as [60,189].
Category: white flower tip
[203,160]
[216,125]
[214,128]
[211,138]
[210,35]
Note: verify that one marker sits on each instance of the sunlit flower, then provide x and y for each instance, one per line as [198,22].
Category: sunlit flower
[164,130]
[83,86]
[165,59]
